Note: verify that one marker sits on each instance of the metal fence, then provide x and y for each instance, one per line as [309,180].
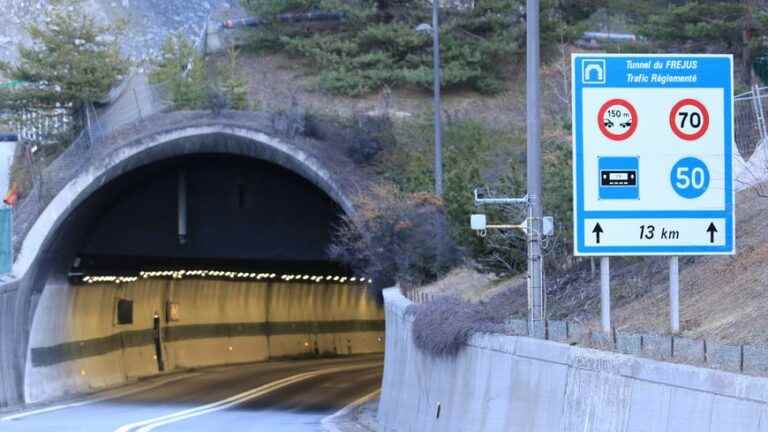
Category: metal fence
[749,120]
[40,125]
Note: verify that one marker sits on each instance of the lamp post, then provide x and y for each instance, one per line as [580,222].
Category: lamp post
[437,103]
[533,131]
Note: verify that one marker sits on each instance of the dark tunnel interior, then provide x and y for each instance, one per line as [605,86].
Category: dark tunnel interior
[241,213]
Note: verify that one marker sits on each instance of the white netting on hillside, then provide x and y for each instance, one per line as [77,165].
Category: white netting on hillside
[750,163]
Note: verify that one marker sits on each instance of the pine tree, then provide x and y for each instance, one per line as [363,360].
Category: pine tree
[378,45]
[72,61]
[233,85]
[181,71]
[703,26]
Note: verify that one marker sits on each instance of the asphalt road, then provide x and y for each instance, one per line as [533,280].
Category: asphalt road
[281,396]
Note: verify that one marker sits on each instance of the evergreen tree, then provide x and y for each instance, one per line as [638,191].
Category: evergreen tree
[181,71]
[703,26]
[72,61]
[233,84]
[378,43]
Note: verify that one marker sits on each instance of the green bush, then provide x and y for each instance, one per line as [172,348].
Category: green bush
[232,83]
[476,156]
[473,156]
[181,70]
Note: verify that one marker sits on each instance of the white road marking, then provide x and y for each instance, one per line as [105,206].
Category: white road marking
[110,396]
[329,423]
[152,424]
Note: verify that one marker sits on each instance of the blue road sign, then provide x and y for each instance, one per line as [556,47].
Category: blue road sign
[672,117]
[619,177]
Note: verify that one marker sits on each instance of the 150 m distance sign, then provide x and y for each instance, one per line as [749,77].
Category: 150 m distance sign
[652,159]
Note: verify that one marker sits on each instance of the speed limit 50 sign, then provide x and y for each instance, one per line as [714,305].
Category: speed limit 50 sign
[652,159]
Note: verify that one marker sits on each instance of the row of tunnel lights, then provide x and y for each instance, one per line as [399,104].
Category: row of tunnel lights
[181,274]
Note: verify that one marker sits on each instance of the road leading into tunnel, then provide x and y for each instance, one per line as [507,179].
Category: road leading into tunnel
[279,396]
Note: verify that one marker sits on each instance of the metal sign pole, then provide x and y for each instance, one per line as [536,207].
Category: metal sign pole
[605,294]
[437,102]
[674,294]
[759,112]
[535,268]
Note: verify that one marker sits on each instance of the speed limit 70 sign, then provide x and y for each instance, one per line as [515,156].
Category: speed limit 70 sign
[652,159]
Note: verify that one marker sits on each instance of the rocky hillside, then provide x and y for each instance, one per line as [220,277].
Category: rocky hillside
[148,21]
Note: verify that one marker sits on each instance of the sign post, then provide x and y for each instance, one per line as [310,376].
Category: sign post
[653,154]
[674,295]
[605,294]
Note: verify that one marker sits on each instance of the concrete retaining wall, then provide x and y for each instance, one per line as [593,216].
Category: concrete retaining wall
[510,383]
[7,318]
[749,359]
[77,346]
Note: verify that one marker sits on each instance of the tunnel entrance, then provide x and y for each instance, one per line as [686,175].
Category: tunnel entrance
[190,261]
[208,211]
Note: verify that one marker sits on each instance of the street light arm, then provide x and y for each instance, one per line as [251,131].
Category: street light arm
[482,200]
[285,18]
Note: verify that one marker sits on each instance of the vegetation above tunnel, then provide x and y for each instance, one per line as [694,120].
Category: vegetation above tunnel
[389,43]
[72,62]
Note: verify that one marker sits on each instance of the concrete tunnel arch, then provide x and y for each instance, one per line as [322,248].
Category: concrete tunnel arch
[165,145]
[37,261]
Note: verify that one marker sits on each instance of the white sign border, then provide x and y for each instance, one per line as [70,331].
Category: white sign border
[580,248]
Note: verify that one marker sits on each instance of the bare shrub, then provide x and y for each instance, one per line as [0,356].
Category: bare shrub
[394,236]
[443,326]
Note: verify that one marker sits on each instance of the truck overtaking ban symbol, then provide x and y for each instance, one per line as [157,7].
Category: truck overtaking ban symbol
[617,119]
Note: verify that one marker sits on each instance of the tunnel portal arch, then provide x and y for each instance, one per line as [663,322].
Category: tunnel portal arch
[162,137]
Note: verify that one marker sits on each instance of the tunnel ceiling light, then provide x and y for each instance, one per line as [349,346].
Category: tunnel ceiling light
[187,273]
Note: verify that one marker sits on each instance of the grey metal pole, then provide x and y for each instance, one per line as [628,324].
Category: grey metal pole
[605,294]
[182,206]
[437,105]
[535,265]
[674,294]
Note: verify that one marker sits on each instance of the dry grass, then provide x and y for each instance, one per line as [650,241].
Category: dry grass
[276,81]
[470,285]
[721,297]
